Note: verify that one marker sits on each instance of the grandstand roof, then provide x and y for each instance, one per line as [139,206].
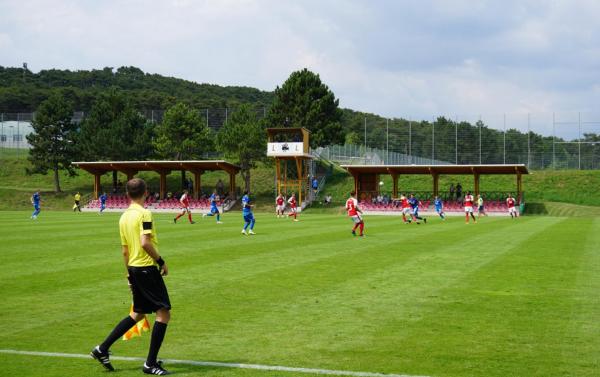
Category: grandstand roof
[438,169]
[98,167]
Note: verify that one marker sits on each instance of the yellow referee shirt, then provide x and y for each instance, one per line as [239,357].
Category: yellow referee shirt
[134,222]
[77,197]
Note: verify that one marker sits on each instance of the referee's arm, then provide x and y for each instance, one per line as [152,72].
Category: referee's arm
[149,247]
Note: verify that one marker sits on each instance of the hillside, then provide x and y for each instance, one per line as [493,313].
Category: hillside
[546,192]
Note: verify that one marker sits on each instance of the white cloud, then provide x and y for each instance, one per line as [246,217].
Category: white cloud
[396,58]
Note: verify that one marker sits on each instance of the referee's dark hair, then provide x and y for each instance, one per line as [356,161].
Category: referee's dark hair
[136,188]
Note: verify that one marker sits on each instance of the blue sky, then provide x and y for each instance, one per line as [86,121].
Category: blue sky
[414,59]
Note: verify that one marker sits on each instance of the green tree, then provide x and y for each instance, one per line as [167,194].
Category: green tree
[243,140]
[182,135]
[52,140]
[304,101]
[114,130]
[353,138]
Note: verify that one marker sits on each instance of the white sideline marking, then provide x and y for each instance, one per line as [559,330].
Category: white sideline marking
[217,364]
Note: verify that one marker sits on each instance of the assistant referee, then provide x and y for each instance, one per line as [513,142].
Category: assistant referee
[145,269]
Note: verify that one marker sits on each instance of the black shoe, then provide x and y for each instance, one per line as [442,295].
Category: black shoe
[175,220]
[353,233]
[156,369]
[102,358]
[193,222]
[425,220]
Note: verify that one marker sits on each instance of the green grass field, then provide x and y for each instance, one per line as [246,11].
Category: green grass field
[499,298]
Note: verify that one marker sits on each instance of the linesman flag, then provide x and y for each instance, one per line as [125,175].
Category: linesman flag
[138,328]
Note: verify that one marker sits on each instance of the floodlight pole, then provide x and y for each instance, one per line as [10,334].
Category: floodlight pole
[579,139]
[456,139]
[528,139]
[387,140]
[410,141]
[433,141]
[554,141]
[504,138]
[479,139]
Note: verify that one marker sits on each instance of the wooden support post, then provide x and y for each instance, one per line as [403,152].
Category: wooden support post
[232,192]
[130,175]
[300,174]
[278,175]
[394,186]
[476,177]
[96,184]
[197,183]
[436,184]
[519,187]
[356,185]
[163,184]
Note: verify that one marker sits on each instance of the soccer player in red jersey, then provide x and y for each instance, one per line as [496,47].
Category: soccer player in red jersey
[406,209]
[354,213]
[512,210]
[279,206]
[469,207]
[293,206]
[185,207]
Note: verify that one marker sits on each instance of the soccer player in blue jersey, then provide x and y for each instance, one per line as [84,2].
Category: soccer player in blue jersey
[439,207]
[414,203]
[248,215]
[35,201]
[102,198]
[214,209]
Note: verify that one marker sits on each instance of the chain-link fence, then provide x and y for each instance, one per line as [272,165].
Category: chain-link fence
[539,140]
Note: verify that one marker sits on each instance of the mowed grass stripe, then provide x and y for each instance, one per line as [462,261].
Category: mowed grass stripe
[337,289]
[507,318]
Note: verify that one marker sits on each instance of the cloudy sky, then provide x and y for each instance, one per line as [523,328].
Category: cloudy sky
[397,58]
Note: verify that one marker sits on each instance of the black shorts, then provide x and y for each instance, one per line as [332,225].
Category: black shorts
[149,290]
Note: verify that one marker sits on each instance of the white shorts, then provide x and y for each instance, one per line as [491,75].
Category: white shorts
[512,210]
[294,209]
[185,209]
[280,208]
[469,209]
[407,211]
[356,219]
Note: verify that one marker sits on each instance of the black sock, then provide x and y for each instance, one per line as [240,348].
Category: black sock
[158,334]
[117,332]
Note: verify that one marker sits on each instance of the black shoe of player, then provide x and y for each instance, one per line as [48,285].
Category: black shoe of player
[156,369]
[425,220]
[353,233]
[193,222]
[174,220]
[102,358]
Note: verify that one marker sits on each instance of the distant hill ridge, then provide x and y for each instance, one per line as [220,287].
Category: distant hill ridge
[22,90]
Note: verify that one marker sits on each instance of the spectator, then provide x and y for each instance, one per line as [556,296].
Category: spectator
[458,191]
[315,184]
[451,191]
[220,187]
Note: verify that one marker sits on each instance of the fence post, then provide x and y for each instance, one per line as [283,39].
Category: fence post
[207,117]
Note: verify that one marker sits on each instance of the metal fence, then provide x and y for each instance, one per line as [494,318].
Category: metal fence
[540,140]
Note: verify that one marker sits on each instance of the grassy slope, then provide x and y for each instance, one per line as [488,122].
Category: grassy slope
[520,300]
[574,187]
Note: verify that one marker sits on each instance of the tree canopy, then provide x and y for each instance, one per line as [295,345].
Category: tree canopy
[243,139]
[304,101]
[52,142]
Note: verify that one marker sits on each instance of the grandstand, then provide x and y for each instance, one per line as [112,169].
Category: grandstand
[367,188]
[160,201]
